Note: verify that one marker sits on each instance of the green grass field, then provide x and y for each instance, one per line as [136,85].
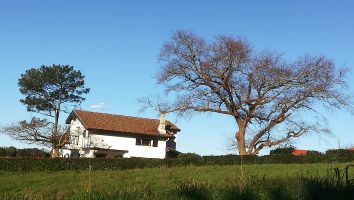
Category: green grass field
[278,181]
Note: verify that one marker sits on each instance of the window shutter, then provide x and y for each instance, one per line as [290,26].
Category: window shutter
[155,142]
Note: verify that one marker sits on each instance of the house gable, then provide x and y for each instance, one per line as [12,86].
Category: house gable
[100,134]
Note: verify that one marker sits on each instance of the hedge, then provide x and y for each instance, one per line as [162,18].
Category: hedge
[22,153]
[340,155]
[282,151]
[59,164]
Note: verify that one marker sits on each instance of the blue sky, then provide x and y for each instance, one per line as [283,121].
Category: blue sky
[116,44]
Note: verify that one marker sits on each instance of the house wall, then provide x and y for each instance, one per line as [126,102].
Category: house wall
[129,144]
[101,140]
[77,129]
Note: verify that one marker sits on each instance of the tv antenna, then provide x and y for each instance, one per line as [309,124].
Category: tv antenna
[100,105]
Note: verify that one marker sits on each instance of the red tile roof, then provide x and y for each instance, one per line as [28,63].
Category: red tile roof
[298,152]
[351,148]
[121,124]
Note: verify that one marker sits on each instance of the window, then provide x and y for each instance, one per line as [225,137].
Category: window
[84,133]
[155,142]
[146,142]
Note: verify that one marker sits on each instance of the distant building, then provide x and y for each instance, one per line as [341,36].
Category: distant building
[103,135]
[299,152]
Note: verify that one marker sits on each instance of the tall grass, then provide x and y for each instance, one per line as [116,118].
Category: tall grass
[315,181]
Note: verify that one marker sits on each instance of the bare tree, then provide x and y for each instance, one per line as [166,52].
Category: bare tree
[265,94]
[155,103]
[37,131]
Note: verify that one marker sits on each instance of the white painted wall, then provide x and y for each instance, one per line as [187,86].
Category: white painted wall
[112,142]
[65,153]
[77,129]
[129,144]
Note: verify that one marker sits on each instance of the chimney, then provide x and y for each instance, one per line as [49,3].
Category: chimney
[162,124]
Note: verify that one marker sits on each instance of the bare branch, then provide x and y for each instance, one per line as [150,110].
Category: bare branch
[259,89]
[36,131]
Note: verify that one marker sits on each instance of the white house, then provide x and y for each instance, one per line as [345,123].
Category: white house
[101,135]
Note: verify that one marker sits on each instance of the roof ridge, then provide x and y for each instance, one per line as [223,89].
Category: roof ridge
[119,115]
[119,123]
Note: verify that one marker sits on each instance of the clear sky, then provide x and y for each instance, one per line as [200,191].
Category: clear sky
[116,44]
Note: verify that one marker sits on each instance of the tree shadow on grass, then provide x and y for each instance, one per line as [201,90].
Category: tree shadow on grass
[278,193]
[327,189]
[246,193]
[196,190]
[306,189]
[192,190]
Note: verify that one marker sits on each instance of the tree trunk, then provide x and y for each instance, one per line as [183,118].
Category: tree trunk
[240,139]
[55,152]
[56,122]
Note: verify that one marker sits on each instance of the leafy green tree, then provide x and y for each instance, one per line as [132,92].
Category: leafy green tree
[2,152]
[48,90]
[10,151]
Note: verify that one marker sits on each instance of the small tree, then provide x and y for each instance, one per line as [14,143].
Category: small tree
[264,93]
[47,90]
[37,131]
[10,151]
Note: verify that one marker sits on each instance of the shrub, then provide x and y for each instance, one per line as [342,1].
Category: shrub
[340,155]
[22,153]
[283,151]
[222,160]
[314,153]
[46,164]
[188,159]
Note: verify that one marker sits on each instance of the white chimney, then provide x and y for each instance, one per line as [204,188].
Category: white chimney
[162,124]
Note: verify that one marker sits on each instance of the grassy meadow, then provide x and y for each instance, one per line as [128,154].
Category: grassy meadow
[276,181]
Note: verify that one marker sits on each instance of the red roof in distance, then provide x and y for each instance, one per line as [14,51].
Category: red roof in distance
[298,152]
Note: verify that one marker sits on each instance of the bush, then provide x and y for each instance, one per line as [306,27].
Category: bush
[282,151]
[47,164]
[22,153]
[314,153]
[189,159]
[340,155]
[222,160]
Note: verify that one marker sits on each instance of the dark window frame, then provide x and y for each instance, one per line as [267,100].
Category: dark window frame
[155,143]
[147,142]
